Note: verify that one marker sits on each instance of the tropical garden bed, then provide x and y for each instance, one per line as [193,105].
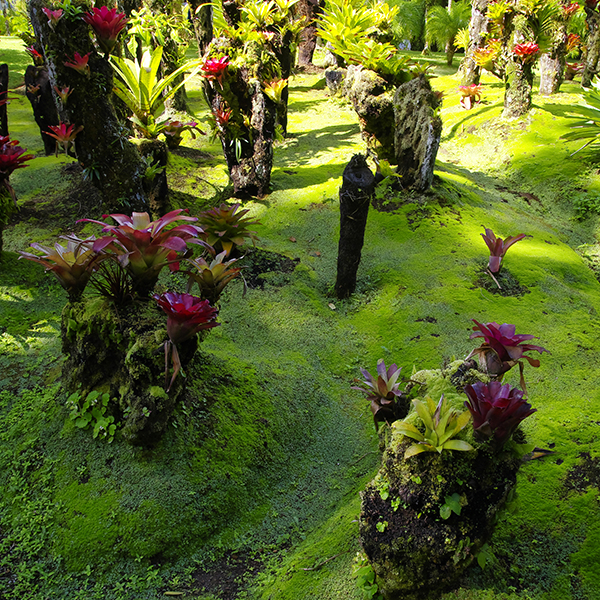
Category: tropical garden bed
[253,490]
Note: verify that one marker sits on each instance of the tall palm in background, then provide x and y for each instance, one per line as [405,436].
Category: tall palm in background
[443,24]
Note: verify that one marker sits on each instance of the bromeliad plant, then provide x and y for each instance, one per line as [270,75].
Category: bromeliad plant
[186,316]
[225,227]
[144,247]
[496,409]
[144,94]
[65,136]
[502,349]
[442,424]
[586,118]
[107,25]
[498,248]
[72,265]
[213,277]
[470,94]
[388,402]
[173,132]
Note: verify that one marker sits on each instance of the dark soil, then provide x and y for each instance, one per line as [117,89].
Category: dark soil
[258,263]
[509,285]
[228,577]
[583,475]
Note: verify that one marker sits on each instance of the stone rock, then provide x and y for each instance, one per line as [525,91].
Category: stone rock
[417,133]
[334,77]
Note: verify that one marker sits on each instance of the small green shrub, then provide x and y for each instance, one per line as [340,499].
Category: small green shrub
[92,413]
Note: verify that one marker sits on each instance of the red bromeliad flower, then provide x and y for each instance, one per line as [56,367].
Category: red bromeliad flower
[53,16]
[63,94]
[502,348]
[186,316]
[573,41]
[570,9]
[498,247]
[38,59]
[64,135]
[526,51]
[107,23]
[496,409]
[214,68]
[79,63]
[222,117]
[144,247]
[12,156]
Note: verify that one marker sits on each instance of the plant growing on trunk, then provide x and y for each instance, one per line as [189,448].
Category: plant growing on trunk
[496,409]
[213,277]
[72,265]
[64,135]
[442,423]
[143,247]
[499,247]
[144,94]
[186,316]
[225,227]
[388,402]
[107,24]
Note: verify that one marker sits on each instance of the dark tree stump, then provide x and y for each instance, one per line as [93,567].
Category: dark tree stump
[39,94]
[357,188]
[3,96]
[156,188]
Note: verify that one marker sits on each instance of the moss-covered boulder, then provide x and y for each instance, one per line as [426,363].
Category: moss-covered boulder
[122,353]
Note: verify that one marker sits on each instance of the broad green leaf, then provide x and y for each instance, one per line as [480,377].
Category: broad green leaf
[458,445]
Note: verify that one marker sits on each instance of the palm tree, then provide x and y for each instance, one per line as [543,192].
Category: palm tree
[444,23]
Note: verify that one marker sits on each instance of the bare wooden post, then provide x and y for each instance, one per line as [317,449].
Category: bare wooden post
[358,183]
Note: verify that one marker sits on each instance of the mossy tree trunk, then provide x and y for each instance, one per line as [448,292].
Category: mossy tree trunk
[102,146]
[39,94]
[156,155]
[309,9]
[3,96]
[478,27]
[202,21]
[592,56]
[518,87]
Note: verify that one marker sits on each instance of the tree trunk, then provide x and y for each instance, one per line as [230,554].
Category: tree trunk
[478,27]
[202,15]
[309,9]
[552,71]
[592,56]
[358,183]
[39,94]
[156,154]
[3,96]
[101,146]
[450,51]
[518,87]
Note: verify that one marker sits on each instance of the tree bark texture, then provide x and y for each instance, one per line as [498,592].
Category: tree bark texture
[417,133]
[552,71]
[156,188]
[309,9]
[202,15]
[39,94]
[592,56]
[358,183]
[518,87]
[478,27]
[102,146]
[3,96]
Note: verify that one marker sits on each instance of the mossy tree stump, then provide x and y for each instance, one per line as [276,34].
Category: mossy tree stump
[122,352]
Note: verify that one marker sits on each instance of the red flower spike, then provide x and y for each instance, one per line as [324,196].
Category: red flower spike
[107,24]
[79,63]
[526,51]
[214,68]
[64,135]
[496,409]
[54,16]
[38,59]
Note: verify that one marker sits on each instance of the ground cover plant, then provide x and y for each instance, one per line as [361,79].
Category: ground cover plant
[252,492]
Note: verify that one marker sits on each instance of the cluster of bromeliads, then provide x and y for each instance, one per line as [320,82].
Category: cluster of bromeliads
[496,409]
[124,264]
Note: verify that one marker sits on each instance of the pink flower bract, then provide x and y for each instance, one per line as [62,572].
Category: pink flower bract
[107,23]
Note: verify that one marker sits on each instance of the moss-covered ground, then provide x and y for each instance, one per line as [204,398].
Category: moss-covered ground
[253,492]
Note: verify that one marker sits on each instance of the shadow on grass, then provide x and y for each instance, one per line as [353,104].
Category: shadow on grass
[473,114]
[300,177]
